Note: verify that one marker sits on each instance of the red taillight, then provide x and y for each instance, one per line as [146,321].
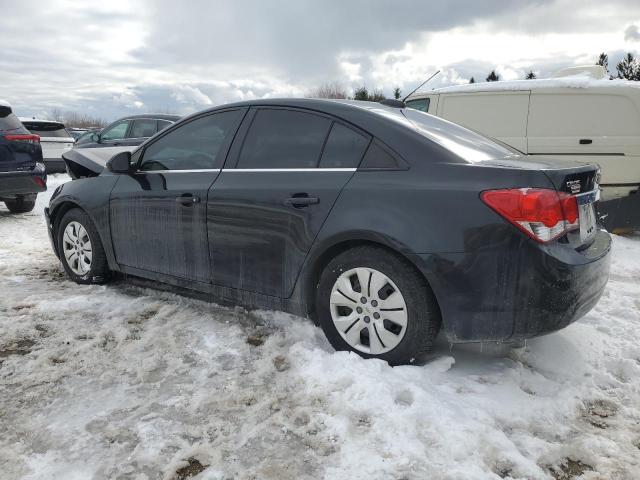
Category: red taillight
[542,214]
[29,138]
[41,182]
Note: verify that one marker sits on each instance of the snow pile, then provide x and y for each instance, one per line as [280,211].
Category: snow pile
[122,381]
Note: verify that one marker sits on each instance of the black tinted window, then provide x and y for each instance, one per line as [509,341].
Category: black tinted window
[47,129]
[195,145]
[284,139]
[344,148]
[421,104]
[378,157]
[8,121]
[143,127]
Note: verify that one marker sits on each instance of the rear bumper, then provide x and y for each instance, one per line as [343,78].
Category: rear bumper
[55,165]
[23,182]
[513,292]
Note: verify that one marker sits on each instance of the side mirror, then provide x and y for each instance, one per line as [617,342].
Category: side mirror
[120,163]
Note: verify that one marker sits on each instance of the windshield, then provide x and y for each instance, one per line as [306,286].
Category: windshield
[469,145]
[47,129]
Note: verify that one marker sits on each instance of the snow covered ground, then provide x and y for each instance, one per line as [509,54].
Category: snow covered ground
[127,382]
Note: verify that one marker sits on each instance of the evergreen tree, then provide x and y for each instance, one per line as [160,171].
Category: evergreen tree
[361,94]
[629,68]
[397,93]
[603,59]
[472,80]
[493,77]
[530,75]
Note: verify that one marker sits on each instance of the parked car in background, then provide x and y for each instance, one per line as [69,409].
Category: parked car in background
[581,115]
[76,133]
[54,140]
[384,224]
[128,131]
[22,173]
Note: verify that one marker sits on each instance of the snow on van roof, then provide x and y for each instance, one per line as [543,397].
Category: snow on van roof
[572,81]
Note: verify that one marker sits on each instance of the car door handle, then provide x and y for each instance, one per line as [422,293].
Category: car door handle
[301,200]
[585,141]
[187,199]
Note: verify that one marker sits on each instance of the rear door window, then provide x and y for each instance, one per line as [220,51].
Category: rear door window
[344,148]
[117,131]
[142,128]
[280,138]
[162,124]
[196,145]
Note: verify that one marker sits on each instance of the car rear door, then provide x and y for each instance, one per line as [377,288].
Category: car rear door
[283,176]
[158,213]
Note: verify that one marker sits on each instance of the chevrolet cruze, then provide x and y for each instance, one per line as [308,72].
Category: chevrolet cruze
[382,223]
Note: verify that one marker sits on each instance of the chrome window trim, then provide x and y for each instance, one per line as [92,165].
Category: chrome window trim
[240,170]
[195,170]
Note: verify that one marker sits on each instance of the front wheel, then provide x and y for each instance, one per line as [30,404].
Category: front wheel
[80,248]
[21,204]
[373,302]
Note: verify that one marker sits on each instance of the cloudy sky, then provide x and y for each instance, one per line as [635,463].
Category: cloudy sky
[118,57]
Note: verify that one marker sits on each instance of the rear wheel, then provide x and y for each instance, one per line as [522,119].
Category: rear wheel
[21,204]
[373,302]
[80,248]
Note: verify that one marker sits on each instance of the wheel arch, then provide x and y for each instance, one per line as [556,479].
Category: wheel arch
[329,249]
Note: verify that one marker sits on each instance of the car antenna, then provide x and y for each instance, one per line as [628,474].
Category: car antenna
[421,85]
[391,102]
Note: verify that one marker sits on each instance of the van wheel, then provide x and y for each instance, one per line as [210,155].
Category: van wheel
[80,248]
[21,204]
[376,304]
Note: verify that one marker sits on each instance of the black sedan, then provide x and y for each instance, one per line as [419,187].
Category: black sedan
[127,131]
[382,223]
[22,173]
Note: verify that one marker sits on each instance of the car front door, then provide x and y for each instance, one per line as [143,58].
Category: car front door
[158,212]
[285,172]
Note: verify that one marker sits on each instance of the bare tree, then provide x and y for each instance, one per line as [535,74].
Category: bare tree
[328,90]
[56,115]
[82,120]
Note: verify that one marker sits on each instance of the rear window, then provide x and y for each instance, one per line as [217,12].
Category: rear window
[8,121]
[465,143]
[47,129]
[344,148]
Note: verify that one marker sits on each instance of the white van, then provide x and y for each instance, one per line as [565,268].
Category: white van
[581,116]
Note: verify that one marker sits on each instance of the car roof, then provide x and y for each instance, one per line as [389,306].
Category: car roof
[39,120]
[4,103]
[156,116]
[573,82]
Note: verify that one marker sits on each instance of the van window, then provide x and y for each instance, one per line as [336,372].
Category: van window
[344,148]
[421,104]
[281,138]
[567,114]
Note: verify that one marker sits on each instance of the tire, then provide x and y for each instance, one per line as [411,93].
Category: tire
[79,226]
[21,204]
[397,344]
